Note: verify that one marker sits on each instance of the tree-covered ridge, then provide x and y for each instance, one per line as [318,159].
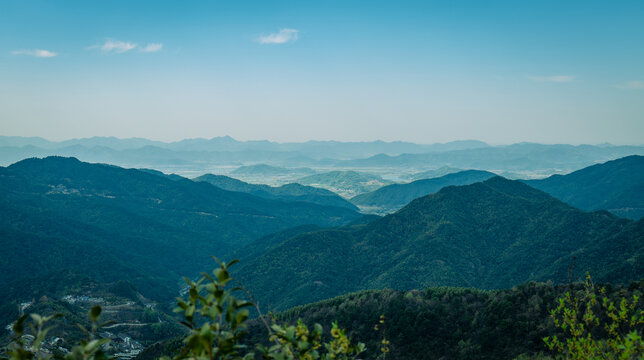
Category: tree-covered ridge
[616,186]
[447,322]
[287,192]
[391,198]
[346,183]
[492,234]
[120,223]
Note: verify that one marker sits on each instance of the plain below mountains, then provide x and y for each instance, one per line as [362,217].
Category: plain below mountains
[115,223]
[345,183]
[616,186]
[268,170]
[288,192]
[393,197]
[433,173]
[491,234]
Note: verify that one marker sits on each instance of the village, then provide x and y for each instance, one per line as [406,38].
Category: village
[124,325]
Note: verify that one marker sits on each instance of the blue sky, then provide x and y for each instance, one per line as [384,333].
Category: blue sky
[498,71]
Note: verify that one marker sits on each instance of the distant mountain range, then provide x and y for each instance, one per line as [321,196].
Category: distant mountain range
[491,234]
[390,198]
[288,192]
[516,157]
[196,155]
[226,144]
[115,223]
[616,186]
[345,183]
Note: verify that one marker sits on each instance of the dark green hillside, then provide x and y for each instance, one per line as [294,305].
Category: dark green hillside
[119,223]
[616,186]
[493,234]
[390,198]
[288,192]
[345,183]
[261,245]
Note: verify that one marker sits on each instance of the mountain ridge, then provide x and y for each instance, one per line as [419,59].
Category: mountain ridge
[390,198]
[491,234]
[287,192]
[116,221]
[616,186]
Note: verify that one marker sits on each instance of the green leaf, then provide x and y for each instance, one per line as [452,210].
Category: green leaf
[95,313]
[19,325]
[242,315]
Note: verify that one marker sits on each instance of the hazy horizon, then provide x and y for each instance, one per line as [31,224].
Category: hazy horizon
[502,72]
[63,139]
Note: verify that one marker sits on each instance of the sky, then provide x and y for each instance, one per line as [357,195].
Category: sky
[422,71]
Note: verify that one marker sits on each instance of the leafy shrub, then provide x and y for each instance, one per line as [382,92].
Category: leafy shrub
[595,327]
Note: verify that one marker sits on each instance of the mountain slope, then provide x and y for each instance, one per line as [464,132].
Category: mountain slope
[288,192]
[390,198]
[492,234]
[119,223]
[616,186]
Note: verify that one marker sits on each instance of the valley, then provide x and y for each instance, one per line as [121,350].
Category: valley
[134,232]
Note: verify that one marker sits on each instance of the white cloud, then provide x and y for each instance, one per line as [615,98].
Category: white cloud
[553,78]
[282,37]
[115,46]
[35,52]
[152,48]
[631,85]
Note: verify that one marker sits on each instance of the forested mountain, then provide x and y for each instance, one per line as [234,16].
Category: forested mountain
[288,192]
[117,223]
[345,183]
[492,234]
[390,198]
[616,186]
